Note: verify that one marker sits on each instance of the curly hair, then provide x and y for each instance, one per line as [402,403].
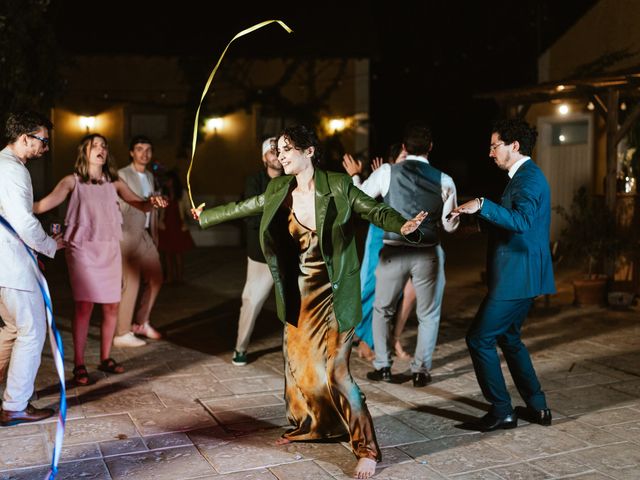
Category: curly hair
[302,137]
[24,122]
[516,130]
[81,167]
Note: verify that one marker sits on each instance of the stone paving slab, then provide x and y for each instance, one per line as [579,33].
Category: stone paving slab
[248,452]
[183,411]
[165,464]
[162,420]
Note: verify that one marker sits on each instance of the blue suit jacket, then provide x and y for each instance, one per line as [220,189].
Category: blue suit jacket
[519,259]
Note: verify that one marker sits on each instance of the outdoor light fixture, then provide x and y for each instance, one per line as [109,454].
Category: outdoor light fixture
[563,109]
[87,123]
[623,106]
[590,106]
[562,138]
[212,125]
[337,124]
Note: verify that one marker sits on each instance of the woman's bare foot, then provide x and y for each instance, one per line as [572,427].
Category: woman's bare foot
[400,353]
[282,441]
[365,469]
[365,352]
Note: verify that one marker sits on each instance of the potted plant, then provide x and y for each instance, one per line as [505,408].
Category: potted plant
[591,237]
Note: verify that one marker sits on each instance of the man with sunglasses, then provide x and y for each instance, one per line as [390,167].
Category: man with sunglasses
[21,304]
[518,270]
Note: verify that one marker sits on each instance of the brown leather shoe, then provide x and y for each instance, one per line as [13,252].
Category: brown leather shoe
[29,414]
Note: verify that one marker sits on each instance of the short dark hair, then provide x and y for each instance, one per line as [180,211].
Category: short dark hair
[139,139]
[417,138]
[25,121]
[302,137]
[516,130]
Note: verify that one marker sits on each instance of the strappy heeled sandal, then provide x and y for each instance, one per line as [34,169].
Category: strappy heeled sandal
[109,365]
[81,376]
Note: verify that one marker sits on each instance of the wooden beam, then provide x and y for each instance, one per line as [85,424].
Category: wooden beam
[600,106]
[628,123]
[613,97]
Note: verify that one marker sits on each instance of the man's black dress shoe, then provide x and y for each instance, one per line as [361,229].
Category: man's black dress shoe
[541,417]
[381,375]
[421,379]
[489,423]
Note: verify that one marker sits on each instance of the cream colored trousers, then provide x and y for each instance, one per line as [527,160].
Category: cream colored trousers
[21,341]
[256,290]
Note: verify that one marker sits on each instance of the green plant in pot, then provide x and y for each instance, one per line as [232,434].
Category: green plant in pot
[591,238]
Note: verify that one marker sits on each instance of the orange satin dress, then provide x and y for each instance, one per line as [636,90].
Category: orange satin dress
[323,401]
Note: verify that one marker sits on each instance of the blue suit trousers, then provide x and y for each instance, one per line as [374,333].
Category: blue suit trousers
[499,322]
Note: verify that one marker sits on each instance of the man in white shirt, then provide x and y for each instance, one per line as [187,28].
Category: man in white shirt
[411,185]
[21,303]
[140,258]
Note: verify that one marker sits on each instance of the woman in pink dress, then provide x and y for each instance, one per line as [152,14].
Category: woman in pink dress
[93,232]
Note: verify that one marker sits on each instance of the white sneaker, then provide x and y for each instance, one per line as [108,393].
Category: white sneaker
[146,330]
[128,340]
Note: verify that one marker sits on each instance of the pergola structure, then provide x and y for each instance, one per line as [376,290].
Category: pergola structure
[603,91]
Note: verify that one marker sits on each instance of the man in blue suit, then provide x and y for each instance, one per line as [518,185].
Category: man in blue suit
[518,270]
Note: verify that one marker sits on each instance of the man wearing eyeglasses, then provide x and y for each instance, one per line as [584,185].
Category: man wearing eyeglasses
[518,270]
[21,304]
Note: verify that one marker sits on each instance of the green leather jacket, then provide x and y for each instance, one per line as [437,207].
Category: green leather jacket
[336,200]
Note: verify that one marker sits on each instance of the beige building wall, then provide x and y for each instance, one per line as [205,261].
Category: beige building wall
[608,29]
[124,91]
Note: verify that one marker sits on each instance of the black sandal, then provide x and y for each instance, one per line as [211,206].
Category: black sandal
[109,365]
[81,376]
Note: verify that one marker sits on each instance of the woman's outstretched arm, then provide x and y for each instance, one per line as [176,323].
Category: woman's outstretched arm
[56,197]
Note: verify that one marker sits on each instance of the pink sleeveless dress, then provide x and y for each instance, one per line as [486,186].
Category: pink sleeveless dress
[93,233]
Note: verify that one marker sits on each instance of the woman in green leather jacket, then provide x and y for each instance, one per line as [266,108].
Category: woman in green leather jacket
[307,237]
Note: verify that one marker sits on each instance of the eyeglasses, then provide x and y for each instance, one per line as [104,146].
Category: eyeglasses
[492,148]
[45,141]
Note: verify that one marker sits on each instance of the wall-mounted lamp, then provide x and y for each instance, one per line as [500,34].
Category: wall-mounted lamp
[623,106]
[563,109]
[214,124]
[337,124]
[87,123]
[590,106]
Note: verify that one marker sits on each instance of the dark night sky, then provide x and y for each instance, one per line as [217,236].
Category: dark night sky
[428,58]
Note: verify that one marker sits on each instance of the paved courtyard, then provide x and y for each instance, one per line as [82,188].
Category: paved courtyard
[183,411]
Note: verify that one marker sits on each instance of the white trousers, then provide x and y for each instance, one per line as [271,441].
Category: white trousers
[21,342]
[256,290]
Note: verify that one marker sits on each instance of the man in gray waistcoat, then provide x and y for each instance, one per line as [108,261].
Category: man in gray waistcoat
[412,186]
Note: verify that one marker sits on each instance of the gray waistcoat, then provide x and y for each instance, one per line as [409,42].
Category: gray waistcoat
[416,186]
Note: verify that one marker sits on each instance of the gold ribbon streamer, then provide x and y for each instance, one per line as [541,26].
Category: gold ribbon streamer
[206,89]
